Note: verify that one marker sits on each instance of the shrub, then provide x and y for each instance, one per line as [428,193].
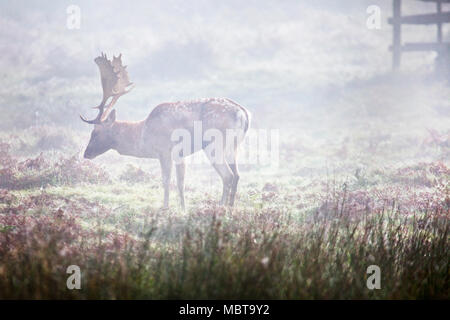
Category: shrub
[133,174]
[41,171]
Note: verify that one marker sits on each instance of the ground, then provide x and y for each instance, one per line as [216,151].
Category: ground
[360,181]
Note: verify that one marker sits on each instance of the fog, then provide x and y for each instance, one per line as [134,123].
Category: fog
[357,177]
[270,56]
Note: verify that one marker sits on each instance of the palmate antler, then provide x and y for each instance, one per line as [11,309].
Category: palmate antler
[115,80]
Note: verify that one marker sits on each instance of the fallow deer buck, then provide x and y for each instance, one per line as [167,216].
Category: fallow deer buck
[154,138]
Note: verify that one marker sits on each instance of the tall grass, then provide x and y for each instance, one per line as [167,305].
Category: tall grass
[245,254]
[290,236]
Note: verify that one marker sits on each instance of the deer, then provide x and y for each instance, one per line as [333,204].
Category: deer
[158,136]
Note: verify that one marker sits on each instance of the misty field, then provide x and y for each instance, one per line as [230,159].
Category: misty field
[362,180]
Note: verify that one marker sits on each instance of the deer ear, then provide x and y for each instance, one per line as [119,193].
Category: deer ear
[111,117]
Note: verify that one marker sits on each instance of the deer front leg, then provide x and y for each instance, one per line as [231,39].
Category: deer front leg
[181,169]
[166,170]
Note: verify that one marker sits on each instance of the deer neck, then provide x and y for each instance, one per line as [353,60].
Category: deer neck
[127,137]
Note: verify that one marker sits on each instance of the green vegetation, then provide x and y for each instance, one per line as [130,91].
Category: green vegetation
[361,181]
[290,237]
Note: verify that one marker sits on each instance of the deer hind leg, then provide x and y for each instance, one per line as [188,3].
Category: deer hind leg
[166,170]
[181,169]
[231,151]
[227,179]
[232,162]
[224,171]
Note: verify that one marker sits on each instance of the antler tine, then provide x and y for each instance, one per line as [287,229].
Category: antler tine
[119,89]
[114,100]
[114,79]
[97,119]
[88,121]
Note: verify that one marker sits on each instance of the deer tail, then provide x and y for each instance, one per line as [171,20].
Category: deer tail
[248,118]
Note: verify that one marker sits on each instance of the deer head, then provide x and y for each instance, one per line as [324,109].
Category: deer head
[102,137]
[114,78]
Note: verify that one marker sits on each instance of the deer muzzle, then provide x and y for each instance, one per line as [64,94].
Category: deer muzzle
[88,154]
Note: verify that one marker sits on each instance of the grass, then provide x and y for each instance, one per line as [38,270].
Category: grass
[212,252]
[369,189]
[310,239]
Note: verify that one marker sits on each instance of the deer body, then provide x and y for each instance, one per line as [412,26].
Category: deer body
[153,138]
[156,136]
